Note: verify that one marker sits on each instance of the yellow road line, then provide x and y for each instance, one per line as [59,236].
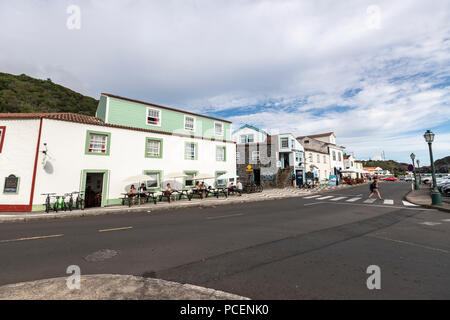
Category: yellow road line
[33,238]
[115,229]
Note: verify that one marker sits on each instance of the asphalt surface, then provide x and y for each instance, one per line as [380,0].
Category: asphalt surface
[295,248]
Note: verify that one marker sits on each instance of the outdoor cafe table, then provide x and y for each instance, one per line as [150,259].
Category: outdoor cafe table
[217,191]
[139,195]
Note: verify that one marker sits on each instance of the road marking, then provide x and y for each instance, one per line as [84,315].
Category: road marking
[326,197]
[388,201]
[353,199]
[338,198]
[446,220]
[312,197]
[372,205]
[409,204]
[33,238]
[370,200]
[427,223]
[410,243]
[227,216]
[115,229]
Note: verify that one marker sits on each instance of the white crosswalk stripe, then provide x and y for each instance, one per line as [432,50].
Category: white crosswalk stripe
[388,201]
[312,197]
[326,197]
[370,200]
[338,198]
[353,199]
[430,223]
[409,204]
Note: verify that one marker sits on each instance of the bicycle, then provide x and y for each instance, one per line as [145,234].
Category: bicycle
[47,204]
[60,204]
[79,202]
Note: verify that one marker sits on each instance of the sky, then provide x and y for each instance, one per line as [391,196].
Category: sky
[377,73]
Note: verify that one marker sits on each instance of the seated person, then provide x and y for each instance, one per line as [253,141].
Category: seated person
[142,191]
[131,193]
[168,191]
[231,187]
[198,187]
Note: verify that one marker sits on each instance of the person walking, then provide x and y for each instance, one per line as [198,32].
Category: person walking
[374,189]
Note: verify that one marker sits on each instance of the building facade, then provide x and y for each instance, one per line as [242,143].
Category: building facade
[61,153]
[268,160]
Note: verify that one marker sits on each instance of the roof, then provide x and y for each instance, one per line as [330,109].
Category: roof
[84,119]
[251,127]
[317,135]
[315,150]
[162,107]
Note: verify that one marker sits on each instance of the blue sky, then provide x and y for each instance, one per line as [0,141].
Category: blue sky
[377,73]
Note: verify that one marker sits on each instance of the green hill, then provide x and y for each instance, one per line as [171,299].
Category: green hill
[25,94]
[391,165]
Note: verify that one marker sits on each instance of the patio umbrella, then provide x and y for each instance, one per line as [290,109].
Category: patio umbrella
[139,178]
[174,175]
[227,176]
[204,176]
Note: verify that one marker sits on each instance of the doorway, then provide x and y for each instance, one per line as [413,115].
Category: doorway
[94,185]
[299,177]
[284,159]
[257,176]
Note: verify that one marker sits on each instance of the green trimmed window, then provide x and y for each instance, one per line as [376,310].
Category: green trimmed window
[221,153]
[284,142]
[154,179]
[190,151]
[189,180]
[153,148]
[98,143]
[221,182]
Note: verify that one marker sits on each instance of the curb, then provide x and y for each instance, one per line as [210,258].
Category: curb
[427,206]
[120,210]
[111,287]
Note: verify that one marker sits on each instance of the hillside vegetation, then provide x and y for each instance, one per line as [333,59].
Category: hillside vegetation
[26,94]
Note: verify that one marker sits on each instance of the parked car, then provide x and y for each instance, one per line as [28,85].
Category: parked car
[446,190]
[409,178]
[390,179]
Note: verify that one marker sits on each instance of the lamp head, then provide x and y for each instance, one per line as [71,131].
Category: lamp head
[413,156]
[429,136]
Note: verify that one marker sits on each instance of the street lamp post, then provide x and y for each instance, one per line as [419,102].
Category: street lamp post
[418,167]
[416,184]
[436,198]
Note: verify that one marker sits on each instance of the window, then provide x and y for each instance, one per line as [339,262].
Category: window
[334,155]
[250,138]
[339,156]
[153,148]
[318,158]
[324,159]
[153,179]
[97,143]
[2,136]
[255,155]
[189,123]
[220,182]
[218,128]
[310,157]
[298,157]
[153,117]
[190,152]
[189,180]
[220,154]
[238,157]
[284,143]
[243,138]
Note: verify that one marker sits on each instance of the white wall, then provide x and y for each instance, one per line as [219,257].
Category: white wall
[17,158]
[324,170]
[66,145]
[259,136]
[336,163]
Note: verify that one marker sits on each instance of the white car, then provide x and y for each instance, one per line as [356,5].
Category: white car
[409,178]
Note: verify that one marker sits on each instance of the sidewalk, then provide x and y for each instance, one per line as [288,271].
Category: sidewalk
[111,287]
[269,194]
[422,197]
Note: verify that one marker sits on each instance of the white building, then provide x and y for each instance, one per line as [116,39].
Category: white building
[62,152]
[335,152]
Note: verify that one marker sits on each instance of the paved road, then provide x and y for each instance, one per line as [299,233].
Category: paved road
[296,248]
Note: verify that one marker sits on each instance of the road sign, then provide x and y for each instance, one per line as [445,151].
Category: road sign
[410,168]
[249,168]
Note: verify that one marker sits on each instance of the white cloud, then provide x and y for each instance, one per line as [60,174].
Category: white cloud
[297,58]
